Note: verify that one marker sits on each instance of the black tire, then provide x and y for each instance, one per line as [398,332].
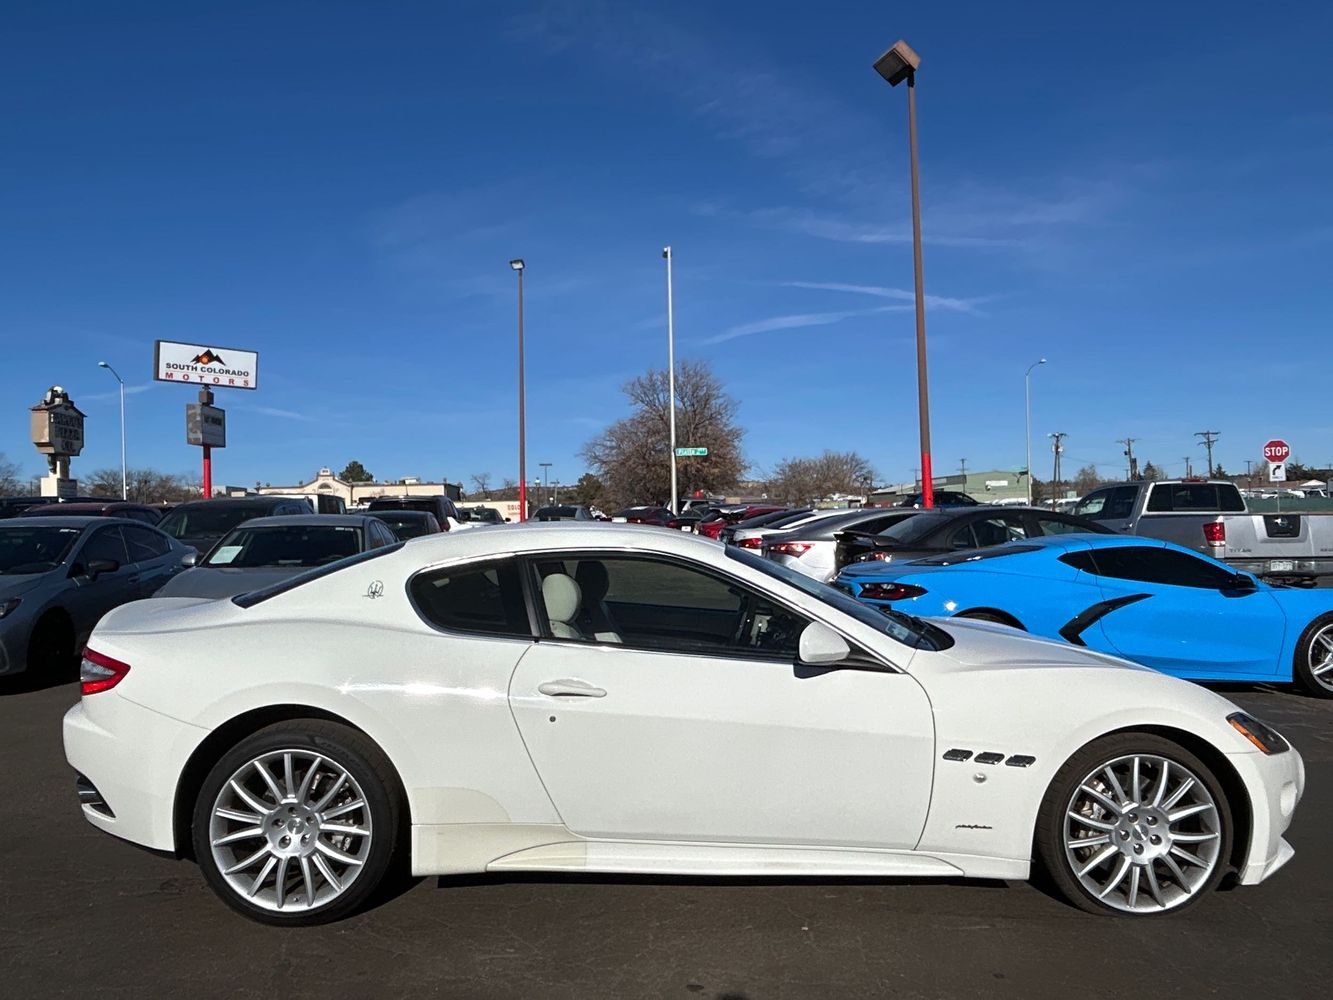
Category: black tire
[371,775]
[1307,657]
[992,616]
[51,648]
[1058,864]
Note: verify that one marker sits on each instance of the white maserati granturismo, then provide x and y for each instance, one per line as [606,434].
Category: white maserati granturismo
[599,698]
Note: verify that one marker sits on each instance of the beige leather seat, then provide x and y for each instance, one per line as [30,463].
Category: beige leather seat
[562,598]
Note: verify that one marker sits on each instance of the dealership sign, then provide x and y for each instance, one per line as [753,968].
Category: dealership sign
[206,365]
[205,425]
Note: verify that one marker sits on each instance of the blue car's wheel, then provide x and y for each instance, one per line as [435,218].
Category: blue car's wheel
[1313,668]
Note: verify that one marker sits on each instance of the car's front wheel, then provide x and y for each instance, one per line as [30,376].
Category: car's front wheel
[298,823]
[1134,824]
[1313,668]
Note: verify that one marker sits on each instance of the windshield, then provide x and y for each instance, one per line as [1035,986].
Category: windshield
[285,545]
[404,524]
[907,629]
[556,512]
[212,521]
[913,529]
[34,550]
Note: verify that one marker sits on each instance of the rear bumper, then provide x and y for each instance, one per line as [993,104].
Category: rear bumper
[1299,567]
[133,758]
[1276,784]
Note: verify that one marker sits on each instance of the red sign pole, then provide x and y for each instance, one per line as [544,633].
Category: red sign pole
[208,473]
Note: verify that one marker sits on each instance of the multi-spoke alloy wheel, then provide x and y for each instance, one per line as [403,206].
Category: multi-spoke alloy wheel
[1135,824]
[294,826]
[1314,658]
[291,830]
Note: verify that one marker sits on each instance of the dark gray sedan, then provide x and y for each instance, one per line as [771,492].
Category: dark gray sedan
[268,550]
[60,575]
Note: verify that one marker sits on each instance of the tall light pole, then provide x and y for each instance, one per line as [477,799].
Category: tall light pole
[517,265]
[546,481]
[671,382]
[1027,407]
[896,65]
[124,480]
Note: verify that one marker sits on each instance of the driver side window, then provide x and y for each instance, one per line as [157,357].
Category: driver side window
[662,605]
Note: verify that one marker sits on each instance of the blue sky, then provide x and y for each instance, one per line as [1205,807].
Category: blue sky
[1138,192]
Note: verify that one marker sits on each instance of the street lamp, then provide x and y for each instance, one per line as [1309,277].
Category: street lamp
[896,65]
[671,382]
[517,265]
[124,480]
[546,481]
[1027,407]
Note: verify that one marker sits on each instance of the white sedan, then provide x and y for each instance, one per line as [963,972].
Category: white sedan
[605,699]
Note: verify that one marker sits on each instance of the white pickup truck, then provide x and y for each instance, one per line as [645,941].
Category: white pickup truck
[1210,516]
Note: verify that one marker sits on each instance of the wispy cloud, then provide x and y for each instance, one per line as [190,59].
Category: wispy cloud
[828,227]
[932,301]
[794,321]
[273,411]
[102,397]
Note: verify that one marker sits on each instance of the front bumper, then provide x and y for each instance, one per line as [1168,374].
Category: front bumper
[1275,783]
[133,757]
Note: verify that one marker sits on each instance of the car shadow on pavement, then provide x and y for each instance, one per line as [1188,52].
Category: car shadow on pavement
[616,878]
[34,680]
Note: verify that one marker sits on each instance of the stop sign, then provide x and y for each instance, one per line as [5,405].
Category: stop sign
[1276,450]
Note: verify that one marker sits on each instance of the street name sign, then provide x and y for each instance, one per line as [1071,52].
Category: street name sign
[691,452]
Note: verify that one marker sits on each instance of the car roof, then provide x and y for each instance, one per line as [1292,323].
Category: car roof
[379,515]
[71,521]
[309,521]
[84,506]
[259,503]
[540,536]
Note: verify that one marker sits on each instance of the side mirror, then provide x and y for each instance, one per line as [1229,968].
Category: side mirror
[190,559]
[1242,581]
[99,566]
[821,646]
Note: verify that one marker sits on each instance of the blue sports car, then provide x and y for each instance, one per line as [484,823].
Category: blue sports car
[1148,601]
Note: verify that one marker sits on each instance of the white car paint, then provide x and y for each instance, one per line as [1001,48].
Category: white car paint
[689,764]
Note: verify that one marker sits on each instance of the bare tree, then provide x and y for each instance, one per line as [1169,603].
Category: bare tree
[481,483]
[1086,480]
[12,480]
[804,480]
[631,456]
[144,485]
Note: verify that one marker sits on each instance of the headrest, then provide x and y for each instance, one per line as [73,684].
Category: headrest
[592,579]
[562,597]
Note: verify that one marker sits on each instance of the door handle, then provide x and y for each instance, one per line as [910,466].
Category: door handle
[571,688]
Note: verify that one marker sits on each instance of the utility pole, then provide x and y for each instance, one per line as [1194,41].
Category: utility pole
[1129,453]
[962,469]
[1058,448]
[1189,469]
[1248,481]
[1208,438]
[916,477]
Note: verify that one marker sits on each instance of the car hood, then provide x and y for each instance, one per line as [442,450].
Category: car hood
[222,581]
[17,586]
[980,645]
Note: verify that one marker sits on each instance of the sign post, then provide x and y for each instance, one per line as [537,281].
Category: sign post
[57,432]
[209,368]
[1276,453]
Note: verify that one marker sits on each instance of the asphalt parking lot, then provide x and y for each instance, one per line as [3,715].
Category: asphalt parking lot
[83,912]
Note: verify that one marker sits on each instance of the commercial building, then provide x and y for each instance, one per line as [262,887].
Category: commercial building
[986,486]
[327,484]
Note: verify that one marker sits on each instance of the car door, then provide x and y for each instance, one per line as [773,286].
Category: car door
[92,597]
[690,721]
[1183,614]
[152,555]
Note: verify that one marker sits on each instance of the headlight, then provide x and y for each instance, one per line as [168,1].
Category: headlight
[8,605]
[1262,735]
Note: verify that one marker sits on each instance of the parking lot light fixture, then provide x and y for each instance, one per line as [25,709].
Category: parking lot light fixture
[517,265]
[896,65]
[1027,408]
[124,479]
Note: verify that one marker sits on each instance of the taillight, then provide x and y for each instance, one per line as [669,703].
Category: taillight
[750,543]
[797,549]
[98,672]
[889,591]
[1215,532]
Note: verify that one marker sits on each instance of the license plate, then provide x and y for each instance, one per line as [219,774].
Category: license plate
[1280,565]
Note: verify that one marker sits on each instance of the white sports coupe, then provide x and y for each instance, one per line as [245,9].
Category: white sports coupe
[618,699]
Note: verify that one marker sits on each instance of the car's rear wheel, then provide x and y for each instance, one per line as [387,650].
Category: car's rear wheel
[1134,824]
[1313,668]
[51,647]
[298,823]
